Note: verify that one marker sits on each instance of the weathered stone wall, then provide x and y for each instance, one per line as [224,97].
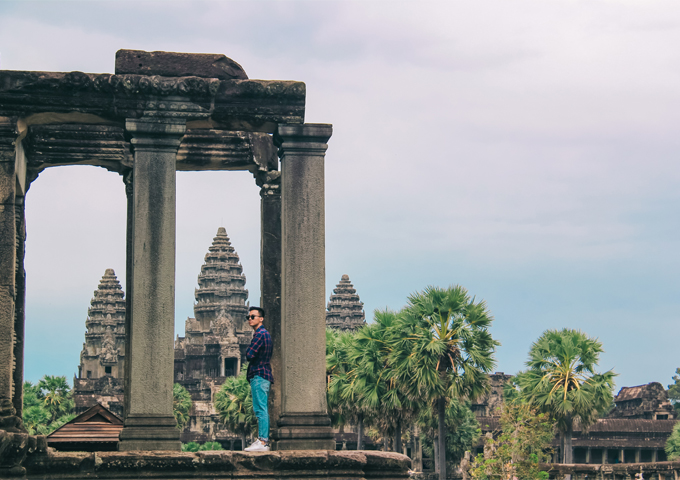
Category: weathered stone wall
[310,465]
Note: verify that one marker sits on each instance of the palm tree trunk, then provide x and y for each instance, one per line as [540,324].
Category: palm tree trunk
[417,450]
[360,432]
[568,434]
[435,451]
[441,416]
[397,438]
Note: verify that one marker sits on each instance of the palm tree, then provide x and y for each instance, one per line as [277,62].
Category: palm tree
[463,429]
[343,399]
[181,405]
[234,404]
[444,351]
[56,395]
[382,397]
[561,381]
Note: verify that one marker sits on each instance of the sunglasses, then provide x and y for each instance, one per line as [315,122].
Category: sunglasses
[252,317]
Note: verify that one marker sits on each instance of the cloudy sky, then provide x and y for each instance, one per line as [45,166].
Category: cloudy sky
[527,150]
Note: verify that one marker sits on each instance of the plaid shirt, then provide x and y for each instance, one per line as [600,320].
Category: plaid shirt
[259,354]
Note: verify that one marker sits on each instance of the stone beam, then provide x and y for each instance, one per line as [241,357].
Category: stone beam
[77,144]
[249,105]
[209,149]
[106,146]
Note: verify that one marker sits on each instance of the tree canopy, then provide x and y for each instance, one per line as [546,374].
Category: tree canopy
[561,381]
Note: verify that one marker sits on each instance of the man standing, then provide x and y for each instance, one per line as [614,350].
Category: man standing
[260,376]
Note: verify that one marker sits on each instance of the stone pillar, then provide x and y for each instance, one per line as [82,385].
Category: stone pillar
[637,455]
[9,420]
[622,456]
[304,423]
[270,281]
[127,179]
[149,422]
[588,455]
[654,455]
[19,306]
[605,454]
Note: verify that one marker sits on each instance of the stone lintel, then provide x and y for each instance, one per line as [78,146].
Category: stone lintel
[106,146]
[173,64]
[251,105]
[77,144]
[209,149]
[311,465]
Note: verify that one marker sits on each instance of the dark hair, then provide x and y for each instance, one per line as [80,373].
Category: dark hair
[259,310]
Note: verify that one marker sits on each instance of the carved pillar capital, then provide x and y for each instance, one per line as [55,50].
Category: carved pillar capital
[269,183]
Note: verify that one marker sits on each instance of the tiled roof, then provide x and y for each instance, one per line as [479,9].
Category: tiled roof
[97,424]
[621,425]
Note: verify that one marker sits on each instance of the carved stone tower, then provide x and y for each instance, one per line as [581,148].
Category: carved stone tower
[345,311]
[216,340]
[101,369]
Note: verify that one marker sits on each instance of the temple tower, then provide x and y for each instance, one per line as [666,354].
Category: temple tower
[344,310]
[216,340]
[101,369]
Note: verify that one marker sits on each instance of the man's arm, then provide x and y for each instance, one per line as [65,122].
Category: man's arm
[255,346]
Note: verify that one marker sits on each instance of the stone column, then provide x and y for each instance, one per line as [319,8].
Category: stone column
[304,423]
[605,454]
[637,455]
[9,420]
[588,455]
[127,179]
[270,280]
[149,422]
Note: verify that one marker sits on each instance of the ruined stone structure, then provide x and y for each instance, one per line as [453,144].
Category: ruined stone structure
[648,402]
[102,360]
[158,113]
[344,310]
[635,431]
[215,341]
[488,405]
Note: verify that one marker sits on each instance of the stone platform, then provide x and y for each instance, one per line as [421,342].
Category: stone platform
[300,464]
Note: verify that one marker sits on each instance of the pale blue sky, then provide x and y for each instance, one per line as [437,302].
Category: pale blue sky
[527,150]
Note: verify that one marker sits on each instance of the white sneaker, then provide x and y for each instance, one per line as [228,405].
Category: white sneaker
[258,446]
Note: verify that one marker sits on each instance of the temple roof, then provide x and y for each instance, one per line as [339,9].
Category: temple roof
[639,391]
[97,424]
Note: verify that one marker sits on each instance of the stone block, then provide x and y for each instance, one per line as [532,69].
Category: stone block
[311,465]
[172,64]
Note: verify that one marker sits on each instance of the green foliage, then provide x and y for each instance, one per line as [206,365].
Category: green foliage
[47,405]
[210,446]
[181,405]
[518,449]
[462,430]
[561,380]
[673,444]
[234,404]
[446,349]
[674,390]
[190,447]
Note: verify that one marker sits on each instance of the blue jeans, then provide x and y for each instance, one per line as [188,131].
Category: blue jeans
[260,390]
